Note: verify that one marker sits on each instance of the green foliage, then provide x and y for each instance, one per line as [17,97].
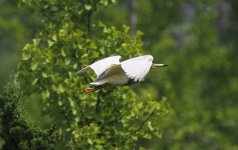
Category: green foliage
[200,82]
[111,118]
[12,26]
[197,39]
[16,133]
[155,16]
[14,33]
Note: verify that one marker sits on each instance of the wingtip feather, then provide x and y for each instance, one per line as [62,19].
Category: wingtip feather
[83,70]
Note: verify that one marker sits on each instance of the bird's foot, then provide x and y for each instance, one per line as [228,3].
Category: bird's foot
[87,90]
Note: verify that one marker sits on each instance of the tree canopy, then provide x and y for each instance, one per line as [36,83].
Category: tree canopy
[192,104]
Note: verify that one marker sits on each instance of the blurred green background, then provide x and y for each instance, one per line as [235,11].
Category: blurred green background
[199,42]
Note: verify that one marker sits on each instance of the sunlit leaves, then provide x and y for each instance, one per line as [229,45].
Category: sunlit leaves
[110,118]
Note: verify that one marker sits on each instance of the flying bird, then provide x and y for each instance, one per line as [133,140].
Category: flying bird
[111,72]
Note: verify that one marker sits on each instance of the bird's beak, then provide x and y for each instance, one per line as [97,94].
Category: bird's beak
[158,65]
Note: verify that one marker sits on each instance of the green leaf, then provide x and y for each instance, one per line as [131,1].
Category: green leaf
[92,46]
[63,52]
[54,37]
[60,103]
[88,7]
[44,74]
[150,126]
[34,66]
[34,81]
[50,43]
[36,42]
[60,89]
[45,94]
[67,61]
[26,56]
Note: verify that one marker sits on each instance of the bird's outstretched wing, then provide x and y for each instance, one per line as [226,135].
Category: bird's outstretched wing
[101,65]
[83,70]
[111,70]
[137,68]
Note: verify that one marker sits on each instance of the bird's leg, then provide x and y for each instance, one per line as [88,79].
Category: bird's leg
[90,90]
[98,103]
[87,90]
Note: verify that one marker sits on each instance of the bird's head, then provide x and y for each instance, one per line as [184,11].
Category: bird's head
[158,65]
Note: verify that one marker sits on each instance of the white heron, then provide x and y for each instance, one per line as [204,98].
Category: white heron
[111,72]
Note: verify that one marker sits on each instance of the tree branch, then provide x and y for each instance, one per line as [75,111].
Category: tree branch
[89,21]
[133,15]
[142,123]
[97,107]
[146,119]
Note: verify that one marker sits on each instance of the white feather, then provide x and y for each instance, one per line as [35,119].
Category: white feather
[137,68]
[116,79]
[101,65]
